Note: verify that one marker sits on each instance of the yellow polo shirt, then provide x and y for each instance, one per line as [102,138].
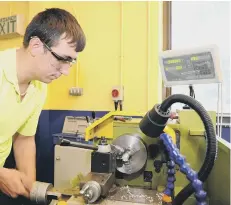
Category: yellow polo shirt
[16,115]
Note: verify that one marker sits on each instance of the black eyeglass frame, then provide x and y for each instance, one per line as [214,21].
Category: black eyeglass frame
[58,57]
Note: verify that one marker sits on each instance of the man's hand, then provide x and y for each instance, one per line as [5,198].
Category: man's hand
[27,182]
[14,183]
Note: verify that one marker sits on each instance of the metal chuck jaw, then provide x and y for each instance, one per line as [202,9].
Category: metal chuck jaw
[91,191]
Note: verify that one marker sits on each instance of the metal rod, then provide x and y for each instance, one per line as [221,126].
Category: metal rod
[65,142]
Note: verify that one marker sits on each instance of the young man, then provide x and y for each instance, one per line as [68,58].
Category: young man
[51,43]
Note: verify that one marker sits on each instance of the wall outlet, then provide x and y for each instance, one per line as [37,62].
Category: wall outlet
[76,91]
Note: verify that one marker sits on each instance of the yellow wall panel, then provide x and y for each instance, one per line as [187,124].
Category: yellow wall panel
[122,48]
[155,43]
[135,55]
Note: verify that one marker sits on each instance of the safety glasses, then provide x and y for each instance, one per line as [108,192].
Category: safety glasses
[58,57]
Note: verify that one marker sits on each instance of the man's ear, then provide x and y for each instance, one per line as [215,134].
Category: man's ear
[35,46]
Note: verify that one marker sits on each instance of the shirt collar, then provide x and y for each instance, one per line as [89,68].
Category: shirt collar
[8,61]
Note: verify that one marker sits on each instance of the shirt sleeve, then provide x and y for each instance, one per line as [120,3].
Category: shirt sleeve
[30,126]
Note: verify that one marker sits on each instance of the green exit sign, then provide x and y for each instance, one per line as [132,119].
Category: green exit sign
[12,26]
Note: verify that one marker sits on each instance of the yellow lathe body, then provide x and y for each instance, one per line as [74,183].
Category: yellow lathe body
[72,164]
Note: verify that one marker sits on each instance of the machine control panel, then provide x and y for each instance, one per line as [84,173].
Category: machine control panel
[193,66]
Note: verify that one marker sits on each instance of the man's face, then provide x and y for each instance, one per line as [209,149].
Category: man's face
[53,62]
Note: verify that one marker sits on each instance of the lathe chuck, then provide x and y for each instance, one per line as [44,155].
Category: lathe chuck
[135,155]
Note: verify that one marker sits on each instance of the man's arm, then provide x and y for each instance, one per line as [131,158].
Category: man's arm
[25,155]
[24,140]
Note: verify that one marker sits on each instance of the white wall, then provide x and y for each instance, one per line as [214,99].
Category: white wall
[202,23]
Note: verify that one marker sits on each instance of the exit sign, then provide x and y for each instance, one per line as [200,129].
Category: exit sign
[12,26]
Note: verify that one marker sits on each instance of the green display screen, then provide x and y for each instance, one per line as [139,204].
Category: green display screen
[173,61]
[194,58]
[178,67]
[177,60]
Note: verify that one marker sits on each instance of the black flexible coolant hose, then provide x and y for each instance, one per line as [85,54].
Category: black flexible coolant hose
[211,151]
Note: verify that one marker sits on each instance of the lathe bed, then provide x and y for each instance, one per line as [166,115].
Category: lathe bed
[122,196]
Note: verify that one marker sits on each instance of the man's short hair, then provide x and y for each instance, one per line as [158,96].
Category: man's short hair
[51,24]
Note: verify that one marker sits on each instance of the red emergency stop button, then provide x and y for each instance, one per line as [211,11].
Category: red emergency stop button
[115,93]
